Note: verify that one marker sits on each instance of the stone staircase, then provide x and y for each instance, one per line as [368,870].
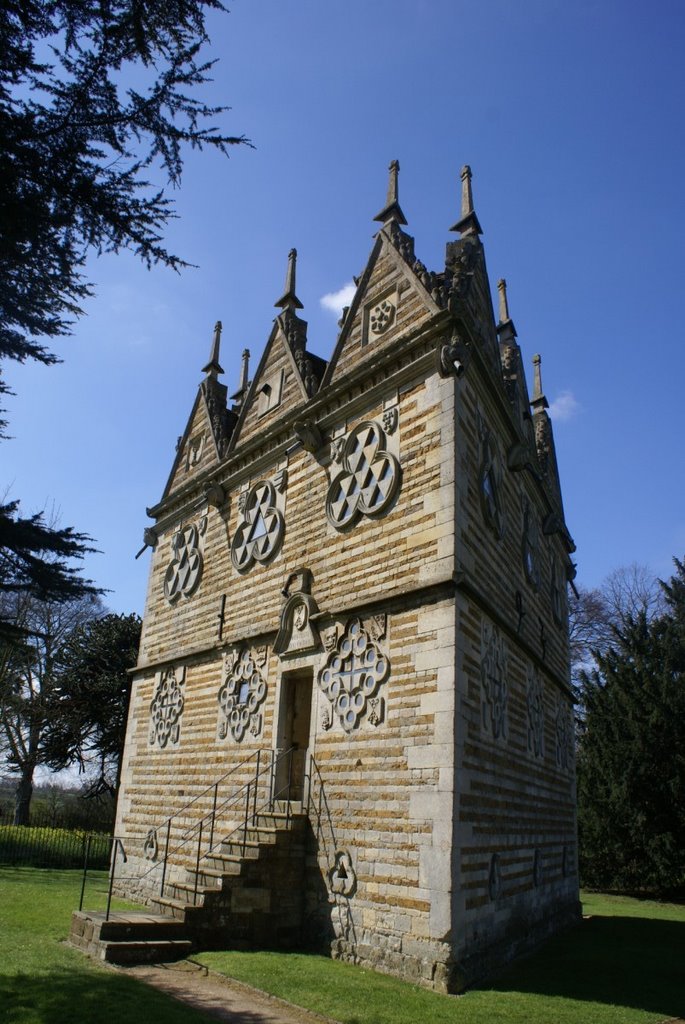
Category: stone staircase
[247,893]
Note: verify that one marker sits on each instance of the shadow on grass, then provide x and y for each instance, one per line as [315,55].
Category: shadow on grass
[633,962]
[91,997]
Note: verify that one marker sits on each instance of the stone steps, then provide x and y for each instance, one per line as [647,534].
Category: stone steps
[131,937]
[238,885]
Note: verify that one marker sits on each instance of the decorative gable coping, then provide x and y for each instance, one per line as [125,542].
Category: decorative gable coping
[383,241]
[386,370]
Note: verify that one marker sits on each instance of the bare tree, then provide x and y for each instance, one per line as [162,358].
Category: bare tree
[29,683]
[600,616]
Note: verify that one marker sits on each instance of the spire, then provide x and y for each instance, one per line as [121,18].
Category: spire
[244,370]
[468,223]
[289,299]
[244,379]
[505,325]
[392,211]
[544,444]
[213,367]
[538,402]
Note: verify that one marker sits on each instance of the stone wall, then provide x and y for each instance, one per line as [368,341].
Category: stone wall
[399,561]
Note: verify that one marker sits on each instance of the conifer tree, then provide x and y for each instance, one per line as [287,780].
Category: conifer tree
[97,99]
[631,758]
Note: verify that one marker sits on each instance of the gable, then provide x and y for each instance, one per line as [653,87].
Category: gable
[196,450]
[277,388]
[390,301]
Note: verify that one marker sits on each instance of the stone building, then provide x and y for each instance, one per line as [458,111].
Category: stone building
[351,720]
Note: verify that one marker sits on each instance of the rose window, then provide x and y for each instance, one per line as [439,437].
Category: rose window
[240,697]
[258,537]
[368,481]
[166,709]
[493,671]
[382,317]
[185,569]
[353,673]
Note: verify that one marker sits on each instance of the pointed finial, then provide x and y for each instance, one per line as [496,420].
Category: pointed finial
[213,367]
[392,211]
[468,224]
[505,326]
[538,401]
[289,299]
[503,304]
[245,369]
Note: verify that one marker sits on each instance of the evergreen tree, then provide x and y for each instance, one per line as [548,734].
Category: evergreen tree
[88,723]
[631,758]
[95,97]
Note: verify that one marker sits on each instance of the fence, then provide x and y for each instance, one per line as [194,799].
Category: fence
[45,847]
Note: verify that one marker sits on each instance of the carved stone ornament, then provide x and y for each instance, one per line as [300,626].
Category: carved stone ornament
[214,493]
[493,674]
[330,639]
[258,537]
[342,877]
[453,357]
[564,735]
[337,449]
[166,708]
[382,317]
[495,878]
[376,625]
[309,434]
[535,706]
[352,674]
[184,572]
[241,695]
[376,711]
[150,537]
[326,719]
[489,481]
[297,632]
[151,845]
[368,481]
[390,419]
[194,450]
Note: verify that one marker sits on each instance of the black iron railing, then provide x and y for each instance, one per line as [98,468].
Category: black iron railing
[270,782]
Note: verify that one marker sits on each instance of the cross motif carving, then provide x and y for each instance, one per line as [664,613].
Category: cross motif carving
[166,709]
[240,697]
[352,674]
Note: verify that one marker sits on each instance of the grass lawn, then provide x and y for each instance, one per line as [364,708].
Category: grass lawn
[624,965]
[42,981]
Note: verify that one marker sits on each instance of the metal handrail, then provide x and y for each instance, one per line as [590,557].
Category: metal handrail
[213,785]
[117,845]
[269,802]
[248,790]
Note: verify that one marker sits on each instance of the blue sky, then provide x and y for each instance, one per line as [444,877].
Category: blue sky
[571,117]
